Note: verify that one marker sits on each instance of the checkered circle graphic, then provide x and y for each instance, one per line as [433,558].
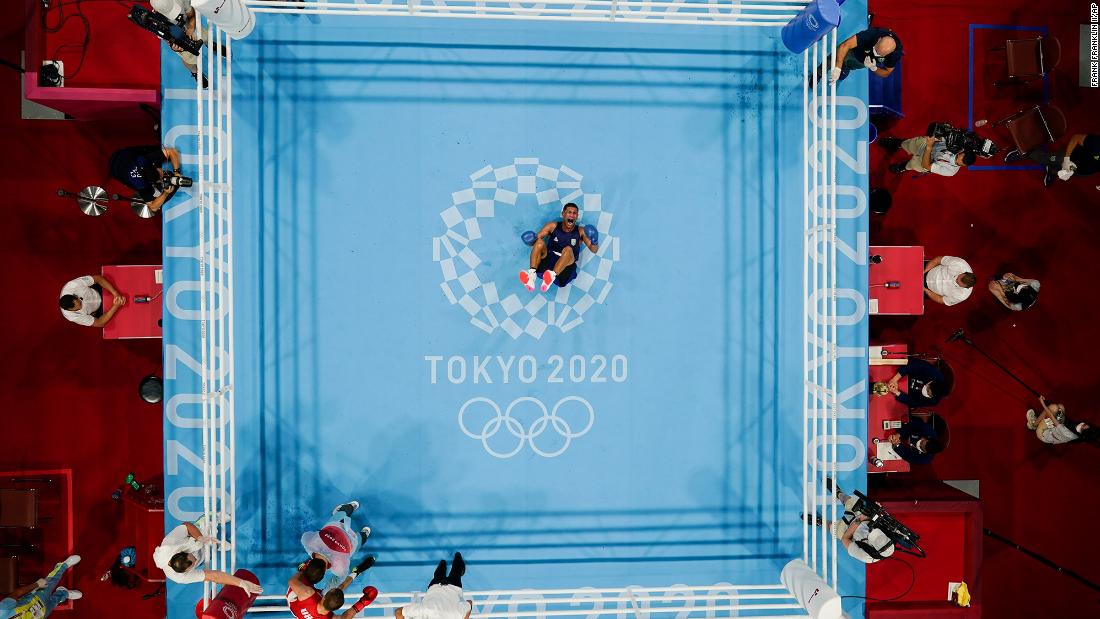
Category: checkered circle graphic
[499,188]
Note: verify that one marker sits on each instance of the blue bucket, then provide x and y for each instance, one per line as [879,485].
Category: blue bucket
[815,21]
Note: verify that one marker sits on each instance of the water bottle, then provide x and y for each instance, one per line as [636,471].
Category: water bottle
[133,483]
[142,299]
[876,259]
[878,463]
[893,284]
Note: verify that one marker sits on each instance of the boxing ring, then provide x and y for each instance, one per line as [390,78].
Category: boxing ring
[420,371]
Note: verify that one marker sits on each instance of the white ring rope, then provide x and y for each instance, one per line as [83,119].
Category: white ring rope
[214,114]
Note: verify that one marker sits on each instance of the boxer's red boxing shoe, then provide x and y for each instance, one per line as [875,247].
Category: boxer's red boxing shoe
[527,278]
[547,280]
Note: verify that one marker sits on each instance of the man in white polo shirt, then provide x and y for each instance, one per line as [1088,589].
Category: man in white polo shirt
[444,597]
[948,280]
[82,303]
[182,556]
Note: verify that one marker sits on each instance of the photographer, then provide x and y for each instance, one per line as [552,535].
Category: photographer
[928,154]
[1052,427]
[1015,292]
[854,531]
[1081,158]
[141,168]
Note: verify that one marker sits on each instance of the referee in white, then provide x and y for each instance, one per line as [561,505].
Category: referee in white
[444,597]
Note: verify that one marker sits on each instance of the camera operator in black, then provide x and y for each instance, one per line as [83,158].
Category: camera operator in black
[855,532]
[1081,158]
[141,168]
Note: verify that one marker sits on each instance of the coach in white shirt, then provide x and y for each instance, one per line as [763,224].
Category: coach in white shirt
[82,303]
[182,556]
[948,280]
[444,597]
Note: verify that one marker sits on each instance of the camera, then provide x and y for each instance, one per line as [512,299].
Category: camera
[164,28]
[961,140]
[878,518]
[174,181]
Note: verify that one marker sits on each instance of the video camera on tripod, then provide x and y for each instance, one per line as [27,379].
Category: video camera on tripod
[962,140]
[903,537]
[171,31]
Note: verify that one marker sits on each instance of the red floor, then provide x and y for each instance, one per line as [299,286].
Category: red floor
[71,399]
[1040,495]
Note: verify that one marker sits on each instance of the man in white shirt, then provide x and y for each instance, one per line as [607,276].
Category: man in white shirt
[862,542]
[182,555]
[1053,428]
[927,155]
[948,280]
[82,303]
[444,597]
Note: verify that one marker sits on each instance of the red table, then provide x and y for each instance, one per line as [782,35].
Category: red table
[882,408]
[903,264]
[133,320]
[949,523]
[143,524]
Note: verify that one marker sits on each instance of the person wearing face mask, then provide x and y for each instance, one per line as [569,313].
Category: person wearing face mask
[916,442]
[927,384]
[875,49]
[1052,427]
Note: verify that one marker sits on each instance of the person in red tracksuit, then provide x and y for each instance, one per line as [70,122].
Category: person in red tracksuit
[307,602]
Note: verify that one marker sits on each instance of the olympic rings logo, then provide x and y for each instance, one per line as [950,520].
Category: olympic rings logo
[526,435]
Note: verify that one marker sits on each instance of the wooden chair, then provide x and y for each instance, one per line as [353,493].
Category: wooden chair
[9,574]
[1035,126]
[1029,59]
[19,508]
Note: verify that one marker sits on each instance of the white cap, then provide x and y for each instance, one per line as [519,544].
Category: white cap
[168,8]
